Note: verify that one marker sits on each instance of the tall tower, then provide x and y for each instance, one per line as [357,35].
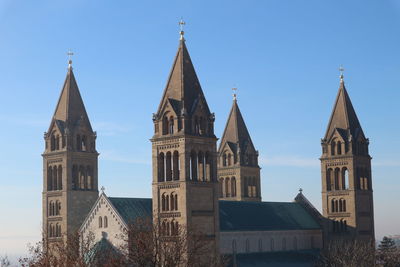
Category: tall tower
[238,170]
[347,199]
[185,189]
[69,165]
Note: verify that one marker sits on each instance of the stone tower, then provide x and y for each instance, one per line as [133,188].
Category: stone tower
[185,188]
[69,165]
[238,170]
[347,200]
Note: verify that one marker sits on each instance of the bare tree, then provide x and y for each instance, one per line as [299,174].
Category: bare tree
[349,253]
[67,251]
[388,254]
[148,245]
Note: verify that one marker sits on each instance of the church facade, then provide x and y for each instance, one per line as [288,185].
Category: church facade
[202,188]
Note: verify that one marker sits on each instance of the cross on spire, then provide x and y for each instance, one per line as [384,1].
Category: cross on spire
[70,54]
[103,189]
[341,69]
[182,23]
[234,89]
[301,190]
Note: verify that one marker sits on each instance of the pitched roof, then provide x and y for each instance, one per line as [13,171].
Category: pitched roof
[234,215]
[264,216]
[343,115]
[183,84]
[70,108]
[236,132]
[132,208]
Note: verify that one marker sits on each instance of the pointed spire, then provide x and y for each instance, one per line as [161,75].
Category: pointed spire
[343,114]
[70,107]
[236,133]
[183,86]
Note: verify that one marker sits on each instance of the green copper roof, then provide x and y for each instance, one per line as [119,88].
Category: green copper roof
[264,216]
[234,215]
[132,208]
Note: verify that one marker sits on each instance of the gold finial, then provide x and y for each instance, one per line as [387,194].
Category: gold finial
[341,69]
[70,54]
[182,23]
[234,89]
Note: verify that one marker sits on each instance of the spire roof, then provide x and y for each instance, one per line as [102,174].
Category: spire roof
[70,108]
[183,85]
[236,132]
[343,114]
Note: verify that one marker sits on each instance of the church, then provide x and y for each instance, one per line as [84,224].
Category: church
[197,185]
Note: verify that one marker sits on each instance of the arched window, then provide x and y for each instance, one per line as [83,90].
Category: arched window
[168,163]
[50,208]
[176,167]
[167,203]
[105,222]
[50,179]
[58,209]
[55,180]
[339,148]
[209,167]
[201,166]
[337,171]
[161,168]
[82,178]
[333,205]
[165,125]
[57,142]
[84,143]
[89,173]
[345,178]
[100,222]
[340,205]
[193,166]
[78,143]
[51,230]
[196,125]
[227,187]
[224,160]
[233,186]
[344,205]
[329,180]
[163,204]
[333,145]
[58,230]
[171,125]
[229,159]
[52,142]
[336,205]
[59,178]
[221,187]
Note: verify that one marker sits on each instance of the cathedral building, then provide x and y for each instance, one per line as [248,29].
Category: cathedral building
[238,170]
[347,200]
[196,186]
[69,165]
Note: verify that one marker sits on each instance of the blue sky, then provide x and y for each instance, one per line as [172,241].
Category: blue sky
[282,55]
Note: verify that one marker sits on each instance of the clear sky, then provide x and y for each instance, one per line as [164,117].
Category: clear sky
[282,55]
